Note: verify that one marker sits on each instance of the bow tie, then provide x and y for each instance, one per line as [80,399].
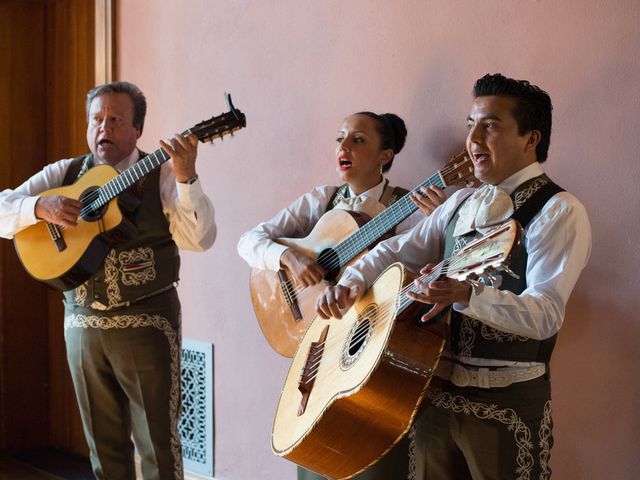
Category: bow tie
[488,206]
[361,203]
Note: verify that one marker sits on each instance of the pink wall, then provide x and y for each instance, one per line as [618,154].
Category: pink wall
[298,68]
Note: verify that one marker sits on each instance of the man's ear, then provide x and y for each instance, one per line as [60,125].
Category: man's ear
[533,140]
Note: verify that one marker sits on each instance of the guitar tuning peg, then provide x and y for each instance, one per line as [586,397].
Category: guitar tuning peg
[510,272]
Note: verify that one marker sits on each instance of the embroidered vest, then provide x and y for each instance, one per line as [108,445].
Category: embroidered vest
[139,267]
[472,338]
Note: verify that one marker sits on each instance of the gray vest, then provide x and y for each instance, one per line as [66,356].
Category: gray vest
[141,267]
[472,338]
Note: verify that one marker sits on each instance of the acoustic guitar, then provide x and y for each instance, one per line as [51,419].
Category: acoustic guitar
[284,309]
[66,258]
[355,384]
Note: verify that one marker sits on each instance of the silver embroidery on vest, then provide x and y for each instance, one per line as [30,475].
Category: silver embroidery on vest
[137,266]
[467,335]
[80,294]
[131,268]
[507,416]
[111,281]
[173,338]
[499,336]
[524,194]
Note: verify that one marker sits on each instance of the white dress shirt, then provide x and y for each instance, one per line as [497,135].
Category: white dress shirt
[558,244]
[257,246]
[189,211]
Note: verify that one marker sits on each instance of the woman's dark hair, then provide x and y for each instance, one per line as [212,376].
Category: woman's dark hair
[392,131]
[137,97]
[533,106]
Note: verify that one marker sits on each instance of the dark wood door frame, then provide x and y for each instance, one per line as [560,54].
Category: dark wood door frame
[51,53]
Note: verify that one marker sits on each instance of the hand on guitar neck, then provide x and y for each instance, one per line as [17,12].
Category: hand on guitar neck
[183,151]
[428,199]
[440,293]
[59,210]
[304,270]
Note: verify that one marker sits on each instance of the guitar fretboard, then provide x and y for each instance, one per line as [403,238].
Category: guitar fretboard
[381,223]
[128,177]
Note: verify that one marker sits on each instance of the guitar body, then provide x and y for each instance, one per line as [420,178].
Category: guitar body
[275,315]
[66,258]
[85,249]
[355,384]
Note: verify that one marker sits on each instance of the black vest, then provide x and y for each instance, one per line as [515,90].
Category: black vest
[140,267]
[472,338]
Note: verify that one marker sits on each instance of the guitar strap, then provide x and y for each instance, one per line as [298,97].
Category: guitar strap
[77,168]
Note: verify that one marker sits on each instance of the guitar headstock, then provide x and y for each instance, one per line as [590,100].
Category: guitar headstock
[221,125]
[491,252]
[459,171]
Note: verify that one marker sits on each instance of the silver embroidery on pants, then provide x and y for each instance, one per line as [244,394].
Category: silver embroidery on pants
[507,416]
[173,338]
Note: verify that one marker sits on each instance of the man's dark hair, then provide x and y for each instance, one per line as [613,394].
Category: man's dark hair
[136,95]
[533,106]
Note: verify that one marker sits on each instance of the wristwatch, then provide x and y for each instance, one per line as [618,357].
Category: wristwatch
[192,180]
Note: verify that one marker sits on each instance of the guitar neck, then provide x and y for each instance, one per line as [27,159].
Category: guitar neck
[491,252]
[130,176]
[383,222]
[404,301]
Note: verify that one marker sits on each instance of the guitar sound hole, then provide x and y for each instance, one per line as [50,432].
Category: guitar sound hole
[359,336]
[329,260]
[87,197]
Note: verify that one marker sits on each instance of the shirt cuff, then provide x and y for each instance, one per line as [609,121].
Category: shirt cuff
[189,193]
[28,210]
[476,293]
[272,256]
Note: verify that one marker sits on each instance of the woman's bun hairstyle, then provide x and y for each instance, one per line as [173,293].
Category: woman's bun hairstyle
[392,131]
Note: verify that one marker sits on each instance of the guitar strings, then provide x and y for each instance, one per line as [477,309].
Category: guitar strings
[450,266]
[290,286]
[399,301]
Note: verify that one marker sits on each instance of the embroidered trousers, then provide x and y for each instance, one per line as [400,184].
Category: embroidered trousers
[126,375]
[485,434]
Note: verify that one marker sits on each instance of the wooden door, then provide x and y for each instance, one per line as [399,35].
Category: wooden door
[47,64]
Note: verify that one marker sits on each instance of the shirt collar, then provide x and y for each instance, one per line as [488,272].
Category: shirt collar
[518,178]
[128,161]
[375,193]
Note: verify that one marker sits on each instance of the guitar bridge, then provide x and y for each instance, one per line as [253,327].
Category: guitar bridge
[289,295]
[310,370]
[56,235]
